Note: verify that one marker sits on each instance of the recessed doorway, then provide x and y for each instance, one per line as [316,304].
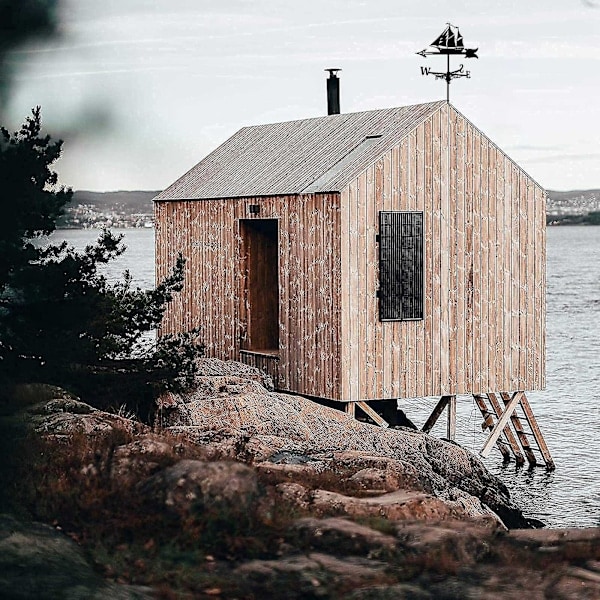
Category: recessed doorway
[260,294]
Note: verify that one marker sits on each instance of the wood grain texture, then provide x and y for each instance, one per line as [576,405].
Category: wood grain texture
[484,273]
[207,232]
[484,323]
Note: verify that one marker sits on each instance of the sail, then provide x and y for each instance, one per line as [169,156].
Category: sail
[449,40]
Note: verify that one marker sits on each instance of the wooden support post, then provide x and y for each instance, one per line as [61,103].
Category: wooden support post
[514,444]
[520,432]
[451,428]
[435,415]
[371,413]
[501,423]
[537,433]
[349,408]
[488,423]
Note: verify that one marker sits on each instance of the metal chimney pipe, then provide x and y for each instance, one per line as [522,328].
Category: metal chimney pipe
[333,92]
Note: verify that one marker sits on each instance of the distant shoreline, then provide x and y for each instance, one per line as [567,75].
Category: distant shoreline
[134,209]
[591,218]
[120,226]
[551,221]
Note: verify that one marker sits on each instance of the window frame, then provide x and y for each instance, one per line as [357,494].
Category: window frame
[390,309]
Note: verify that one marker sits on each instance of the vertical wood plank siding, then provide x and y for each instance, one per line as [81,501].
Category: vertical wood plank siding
[207,233]
[484,276]
[484,325]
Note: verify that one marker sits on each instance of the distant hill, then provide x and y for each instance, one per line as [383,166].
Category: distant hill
[134,209]
[109,209]
[575,207]
[130,202]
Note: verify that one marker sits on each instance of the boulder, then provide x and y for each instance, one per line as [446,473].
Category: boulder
[400,505]
[143,457]
[65,417]
[191,485]
[37,561]
[342,537]
[315,575]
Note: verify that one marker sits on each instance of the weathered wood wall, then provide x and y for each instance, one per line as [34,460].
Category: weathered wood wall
[484,220]
[207,232]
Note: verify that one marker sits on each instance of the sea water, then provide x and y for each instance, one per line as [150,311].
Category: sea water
[568,411]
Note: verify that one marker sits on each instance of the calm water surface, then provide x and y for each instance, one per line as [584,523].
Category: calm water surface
[567,411]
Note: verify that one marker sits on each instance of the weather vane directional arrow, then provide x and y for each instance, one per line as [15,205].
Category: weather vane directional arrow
[449,42]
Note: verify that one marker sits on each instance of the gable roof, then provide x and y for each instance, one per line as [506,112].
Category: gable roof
[321,154]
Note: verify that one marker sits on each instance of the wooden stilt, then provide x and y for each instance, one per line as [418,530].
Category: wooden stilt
[501,423]
[371,413]
[451,428]
[504,418]
[518,427]
[445,401]
[488,423]
[508,414]
[537,433]
[514,444]
[435,415]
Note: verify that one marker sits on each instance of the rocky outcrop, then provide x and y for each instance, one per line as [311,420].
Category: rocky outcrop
[38,561]
[230,415]
[229,507]
[193,484]
[244,420]
[65,416]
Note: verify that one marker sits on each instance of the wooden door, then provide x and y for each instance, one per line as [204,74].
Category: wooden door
[260,295]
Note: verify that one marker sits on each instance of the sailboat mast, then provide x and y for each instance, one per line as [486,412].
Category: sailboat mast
[448,78]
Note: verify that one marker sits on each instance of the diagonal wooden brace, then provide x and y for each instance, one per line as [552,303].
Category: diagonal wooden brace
[539,438]
[518,427]
[371,413]
[500,424]
[435,415]
[508,434]
[488,423]
[450,402]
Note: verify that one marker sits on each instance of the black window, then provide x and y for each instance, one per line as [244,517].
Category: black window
[400,265]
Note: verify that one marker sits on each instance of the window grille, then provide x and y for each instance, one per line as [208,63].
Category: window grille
[400,266]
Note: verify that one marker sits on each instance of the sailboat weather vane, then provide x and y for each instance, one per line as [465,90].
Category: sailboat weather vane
[449,42]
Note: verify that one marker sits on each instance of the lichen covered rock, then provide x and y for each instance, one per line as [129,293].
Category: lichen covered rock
[267,425]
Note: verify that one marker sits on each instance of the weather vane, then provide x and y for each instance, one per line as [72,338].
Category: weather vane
[449,42]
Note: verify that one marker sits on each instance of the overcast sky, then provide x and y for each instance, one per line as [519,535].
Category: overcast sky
[141,90]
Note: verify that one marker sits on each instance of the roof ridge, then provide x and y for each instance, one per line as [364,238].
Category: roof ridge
[349,114]
[291,157]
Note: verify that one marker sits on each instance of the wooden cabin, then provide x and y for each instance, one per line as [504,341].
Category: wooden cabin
[385,254]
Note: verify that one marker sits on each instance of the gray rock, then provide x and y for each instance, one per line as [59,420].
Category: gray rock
[61,405]
[144,456]
[298,426]
[404,591]
[65,417]
[342,537]
[37,561]
[315,575]
[193,484]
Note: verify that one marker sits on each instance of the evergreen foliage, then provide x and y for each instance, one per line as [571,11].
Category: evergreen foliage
[61,321]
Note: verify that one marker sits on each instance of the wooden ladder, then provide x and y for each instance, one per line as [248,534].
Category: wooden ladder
[498,419]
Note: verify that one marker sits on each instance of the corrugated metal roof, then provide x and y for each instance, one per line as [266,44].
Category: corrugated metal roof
[310,155]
